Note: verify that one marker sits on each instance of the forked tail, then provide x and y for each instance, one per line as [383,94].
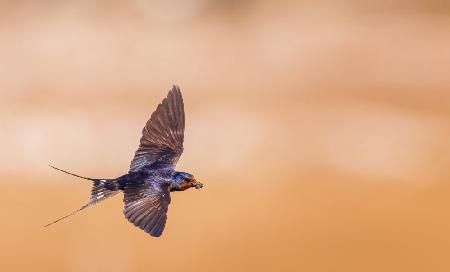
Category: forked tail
[65,216]
[72,174]
[101,190]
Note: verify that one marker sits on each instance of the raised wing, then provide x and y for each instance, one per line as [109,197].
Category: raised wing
[146,207]
[163,135]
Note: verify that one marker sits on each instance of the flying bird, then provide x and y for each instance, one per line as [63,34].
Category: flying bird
[152,175]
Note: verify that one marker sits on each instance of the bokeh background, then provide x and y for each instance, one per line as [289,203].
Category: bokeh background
[319,128]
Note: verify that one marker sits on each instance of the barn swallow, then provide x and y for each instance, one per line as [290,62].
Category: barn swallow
[151,176]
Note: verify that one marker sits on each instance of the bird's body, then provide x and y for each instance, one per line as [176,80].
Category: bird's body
[152,174]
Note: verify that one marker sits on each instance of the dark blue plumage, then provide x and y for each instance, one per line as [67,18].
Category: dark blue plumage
[152,176]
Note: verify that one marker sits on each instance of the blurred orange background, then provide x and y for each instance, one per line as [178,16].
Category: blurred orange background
[319,128]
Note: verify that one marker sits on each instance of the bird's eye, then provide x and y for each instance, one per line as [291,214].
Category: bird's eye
[190,179]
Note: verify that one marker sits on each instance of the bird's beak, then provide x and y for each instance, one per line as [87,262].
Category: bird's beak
[196,184]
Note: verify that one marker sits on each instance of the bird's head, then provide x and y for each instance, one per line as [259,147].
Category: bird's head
[183,181]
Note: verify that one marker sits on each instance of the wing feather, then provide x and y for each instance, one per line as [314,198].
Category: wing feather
[163,134]
[146,207]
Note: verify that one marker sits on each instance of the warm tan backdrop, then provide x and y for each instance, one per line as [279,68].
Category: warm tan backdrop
[320,129]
